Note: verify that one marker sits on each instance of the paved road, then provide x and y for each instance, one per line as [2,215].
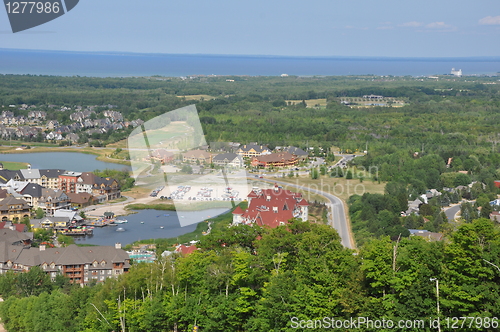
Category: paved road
[337,214]
[450,213]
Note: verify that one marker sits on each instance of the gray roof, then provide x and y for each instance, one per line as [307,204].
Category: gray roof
[30,174]
[71,255]
[6,175]
[296,151]
[226,156]
[51,173]
[257,148]
[33,190]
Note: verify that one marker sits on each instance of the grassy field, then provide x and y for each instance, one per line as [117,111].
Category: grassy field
[339,187]
[197,97]
[310,102]
[14,165]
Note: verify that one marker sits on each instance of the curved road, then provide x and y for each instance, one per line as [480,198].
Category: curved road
[337,214]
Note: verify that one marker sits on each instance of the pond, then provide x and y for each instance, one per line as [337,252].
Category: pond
[70,161]
[148,224]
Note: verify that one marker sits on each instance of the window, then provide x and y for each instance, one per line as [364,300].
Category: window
[102,271]
[109,271]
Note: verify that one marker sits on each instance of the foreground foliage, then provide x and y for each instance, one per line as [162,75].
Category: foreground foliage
[237,283]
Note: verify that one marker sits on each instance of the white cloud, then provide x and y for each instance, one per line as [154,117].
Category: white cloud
[441,26]
[490,20]
[413,24]
[384,28]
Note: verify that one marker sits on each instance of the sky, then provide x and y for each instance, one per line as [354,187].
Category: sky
[387,28]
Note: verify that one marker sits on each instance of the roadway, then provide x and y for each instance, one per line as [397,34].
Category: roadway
[337,215]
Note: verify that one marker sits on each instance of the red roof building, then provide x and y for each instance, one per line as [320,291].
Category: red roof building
[185,250]
[497,183]
[271,208]
[281,159]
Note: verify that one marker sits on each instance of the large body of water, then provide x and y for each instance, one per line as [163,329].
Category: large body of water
[130,64]
[153,220]
[70,161]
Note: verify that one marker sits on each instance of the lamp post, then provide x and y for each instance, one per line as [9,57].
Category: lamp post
[437,303]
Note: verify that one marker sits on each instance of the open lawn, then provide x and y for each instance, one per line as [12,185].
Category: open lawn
[14,165]
[310,102]
[339,187]
[197,97]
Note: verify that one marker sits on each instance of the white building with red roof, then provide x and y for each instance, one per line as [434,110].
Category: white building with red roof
[271,208]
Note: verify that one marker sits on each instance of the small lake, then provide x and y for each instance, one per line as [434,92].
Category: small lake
[70,161]
[153,220]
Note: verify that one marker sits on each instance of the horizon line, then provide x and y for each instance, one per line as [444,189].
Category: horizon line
[255,55]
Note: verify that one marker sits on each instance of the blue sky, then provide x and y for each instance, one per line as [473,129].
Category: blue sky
[401,28]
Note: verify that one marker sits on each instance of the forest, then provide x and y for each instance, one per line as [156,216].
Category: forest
[235,282]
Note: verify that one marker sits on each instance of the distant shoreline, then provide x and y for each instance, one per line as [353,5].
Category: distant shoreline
[125,64]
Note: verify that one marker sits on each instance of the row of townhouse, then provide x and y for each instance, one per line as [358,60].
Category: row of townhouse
[81,265]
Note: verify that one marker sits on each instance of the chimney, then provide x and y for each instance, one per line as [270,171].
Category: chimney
[268,198]
[275,209]
[118,245]
[42,247]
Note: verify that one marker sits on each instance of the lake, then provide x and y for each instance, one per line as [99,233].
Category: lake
[70,161]
[150,229]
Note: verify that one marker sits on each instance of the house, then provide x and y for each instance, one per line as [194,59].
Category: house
[103,189]
[163,156]
[186,250]
[6,175]
[296,152]
[252,150]
[14,209]
[430,236]
[495,216]
[193,156]
[50,223]
[13,226]
[281,159]
[228,159]
[80,264]
[497,183]
[52,201]
[80,200]
[271,208]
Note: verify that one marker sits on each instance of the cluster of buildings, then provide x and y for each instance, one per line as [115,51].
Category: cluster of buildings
[259,156]
[81,265]
[84,120]
[51,190]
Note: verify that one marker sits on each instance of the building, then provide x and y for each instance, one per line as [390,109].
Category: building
[50,223]
[280,159]
[53,201]
[296,152]
[228,159]
[68,181]
[80,200]
[80,264]
[103,189]
[457,73]
[14,209]
[193,156]
[252,150]
[163,156]
[429,236]
[271,208]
